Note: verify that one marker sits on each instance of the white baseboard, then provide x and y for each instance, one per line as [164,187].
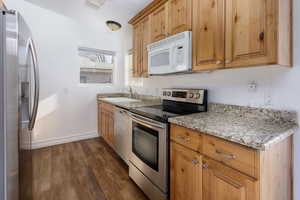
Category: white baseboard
[62,140]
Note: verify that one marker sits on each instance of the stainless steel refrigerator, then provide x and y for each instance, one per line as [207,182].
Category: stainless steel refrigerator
[19,98]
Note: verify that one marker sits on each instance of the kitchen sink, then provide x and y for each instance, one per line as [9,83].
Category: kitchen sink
[121,99]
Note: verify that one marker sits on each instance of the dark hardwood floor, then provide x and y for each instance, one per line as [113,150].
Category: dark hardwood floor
[85,170]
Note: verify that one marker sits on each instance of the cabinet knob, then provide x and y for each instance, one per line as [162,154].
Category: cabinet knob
[219,62]
[195,161]
[205,165]
[261,36]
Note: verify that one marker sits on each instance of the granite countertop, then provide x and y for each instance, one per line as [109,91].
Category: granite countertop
[251,127]
[145,100]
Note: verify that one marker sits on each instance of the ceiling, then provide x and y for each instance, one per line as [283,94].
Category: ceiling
[117,10]
[127,8]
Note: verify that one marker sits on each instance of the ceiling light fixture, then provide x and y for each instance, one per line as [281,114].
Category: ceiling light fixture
[97,3]
[112,25]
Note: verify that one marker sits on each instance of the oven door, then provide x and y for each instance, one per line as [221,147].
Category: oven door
[150,150]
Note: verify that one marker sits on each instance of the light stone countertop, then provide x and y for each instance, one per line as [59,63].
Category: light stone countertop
[251,127]
[144,100]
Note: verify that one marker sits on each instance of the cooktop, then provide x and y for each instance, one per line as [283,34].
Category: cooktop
[176,102]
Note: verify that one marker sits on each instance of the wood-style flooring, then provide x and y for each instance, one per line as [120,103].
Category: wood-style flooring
[85,170]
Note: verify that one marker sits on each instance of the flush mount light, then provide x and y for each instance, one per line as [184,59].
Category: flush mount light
[97,3]
[114,26]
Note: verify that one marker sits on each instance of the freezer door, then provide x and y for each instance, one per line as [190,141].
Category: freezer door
[9,104]
[25,134]
[29,97]
[29,75]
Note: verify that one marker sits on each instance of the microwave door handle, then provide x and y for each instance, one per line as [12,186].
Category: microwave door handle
[32,118]
[172,56]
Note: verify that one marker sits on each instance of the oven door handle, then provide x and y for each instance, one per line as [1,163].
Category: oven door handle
[147,121]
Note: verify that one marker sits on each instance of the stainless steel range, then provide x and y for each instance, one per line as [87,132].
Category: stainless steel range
[149,158]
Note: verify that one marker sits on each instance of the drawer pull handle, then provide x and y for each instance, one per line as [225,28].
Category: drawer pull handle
[229,156]
[195,161]
[183,137]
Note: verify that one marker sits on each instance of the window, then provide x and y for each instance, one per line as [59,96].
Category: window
[96,66]
[128,68]
[129,79]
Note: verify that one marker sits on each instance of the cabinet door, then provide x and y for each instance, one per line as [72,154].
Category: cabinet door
[99,119]
[159,23]
[103,124]
[180,16]
[145,42]
[106,126]
[208,34]
[221,182]
[186,173]
[250,32]
[137,56]
[111,132]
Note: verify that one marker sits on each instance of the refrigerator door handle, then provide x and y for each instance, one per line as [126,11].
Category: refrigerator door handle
[32,118]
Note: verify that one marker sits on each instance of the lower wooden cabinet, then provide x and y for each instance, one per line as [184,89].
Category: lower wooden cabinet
[196,178]
[106,122]
[221,182]
[186,173]
[199,174]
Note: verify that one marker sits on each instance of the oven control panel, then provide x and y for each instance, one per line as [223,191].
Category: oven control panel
[198,96]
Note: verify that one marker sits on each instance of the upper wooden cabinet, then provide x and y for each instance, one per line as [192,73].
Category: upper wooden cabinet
[180,16]
[226,33]
[146,40]
[208,34]
[137,50]
[251,32]
[141,40]
[234,33]
[159,20]
[159,23]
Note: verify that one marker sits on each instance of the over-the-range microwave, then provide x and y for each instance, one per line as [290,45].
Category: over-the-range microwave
[171,55]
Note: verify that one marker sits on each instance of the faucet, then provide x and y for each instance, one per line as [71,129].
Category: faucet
[131,92]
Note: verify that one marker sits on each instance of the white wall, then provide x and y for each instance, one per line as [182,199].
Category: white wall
[68,109]
[278,88]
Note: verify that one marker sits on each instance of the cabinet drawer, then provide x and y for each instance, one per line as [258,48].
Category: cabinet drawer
[188,138]
[236,156]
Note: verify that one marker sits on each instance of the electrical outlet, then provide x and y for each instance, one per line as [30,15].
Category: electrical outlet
[252,86]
